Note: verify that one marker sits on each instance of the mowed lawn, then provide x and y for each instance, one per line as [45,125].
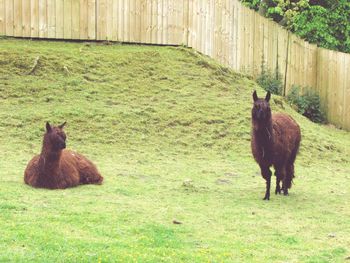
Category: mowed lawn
[169,130]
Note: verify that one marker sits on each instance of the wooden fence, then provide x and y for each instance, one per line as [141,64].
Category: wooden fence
[222,29]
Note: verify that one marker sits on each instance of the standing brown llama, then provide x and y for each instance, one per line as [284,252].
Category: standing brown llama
[275,141]
[58,168]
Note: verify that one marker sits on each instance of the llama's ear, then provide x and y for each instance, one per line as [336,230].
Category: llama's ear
[62,125]
[268,96]
[48,127]
[255,96]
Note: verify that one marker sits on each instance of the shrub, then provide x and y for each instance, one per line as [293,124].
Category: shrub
[324,22]
[308,104]
[270,81]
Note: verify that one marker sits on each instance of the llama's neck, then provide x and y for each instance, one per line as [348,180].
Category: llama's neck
[49,161]
[263,134]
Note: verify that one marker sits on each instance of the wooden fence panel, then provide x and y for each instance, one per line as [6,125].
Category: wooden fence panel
[26,18]
[346,81]
[101,20]
[234,33]
[258,56]
[323,73]
[91,23]
[226,17]
[34,18]
[51,19]
[83,19]
[75,19]
[9,17]
[59,25]
[2,18]
[43,19]
[17,18]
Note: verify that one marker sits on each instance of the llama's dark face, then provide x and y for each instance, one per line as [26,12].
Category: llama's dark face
[261,109]
[56,137]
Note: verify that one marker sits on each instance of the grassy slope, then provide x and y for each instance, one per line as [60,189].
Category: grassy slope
[152,118]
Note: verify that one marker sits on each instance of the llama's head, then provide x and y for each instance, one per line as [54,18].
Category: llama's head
[261,111]
[55,138]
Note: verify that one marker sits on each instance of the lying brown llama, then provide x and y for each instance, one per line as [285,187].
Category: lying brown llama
[275,141]
[58,168]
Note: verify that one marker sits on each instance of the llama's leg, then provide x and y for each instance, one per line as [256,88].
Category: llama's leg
[289,177]
[90,177]
[278,181]
[266,174]
[286,180]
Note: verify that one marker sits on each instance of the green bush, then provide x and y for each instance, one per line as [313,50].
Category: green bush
[308,104]
[325,22]
[270,81]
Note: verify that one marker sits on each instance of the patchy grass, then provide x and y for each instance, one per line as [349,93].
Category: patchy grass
[170,132]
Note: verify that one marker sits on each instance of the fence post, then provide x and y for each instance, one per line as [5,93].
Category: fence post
[286,69]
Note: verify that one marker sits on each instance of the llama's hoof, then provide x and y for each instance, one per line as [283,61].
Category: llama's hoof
[278,191]
[285,192]
[266,198]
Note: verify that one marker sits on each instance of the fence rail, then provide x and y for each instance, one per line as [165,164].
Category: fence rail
[222,29]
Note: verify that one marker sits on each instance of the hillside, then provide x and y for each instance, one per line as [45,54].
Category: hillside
[169,130]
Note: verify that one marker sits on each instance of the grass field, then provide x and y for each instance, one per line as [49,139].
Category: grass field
[169,130]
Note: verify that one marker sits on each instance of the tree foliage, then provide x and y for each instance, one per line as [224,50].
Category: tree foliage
[324,22]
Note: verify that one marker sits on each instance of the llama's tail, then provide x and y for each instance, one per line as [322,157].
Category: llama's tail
[289,176]
[290,167]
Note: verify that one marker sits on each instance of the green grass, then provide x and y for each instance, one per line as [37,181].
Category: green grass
[170,131]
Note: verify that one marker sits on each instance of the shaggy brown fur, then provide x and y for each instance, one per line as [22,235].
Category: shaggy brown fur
[58,168]
[275,141]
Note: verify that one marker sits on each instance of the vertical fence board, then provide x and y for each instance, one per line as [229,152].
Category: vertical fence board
[190,23]
[341,88]
[126,29]
[83,19]
[194,18]
[2,18]
[101,20]
[322,82]
[75,19]
[331,94]
[201,27]
[258,44]
[25,18]
[282,46]
[109,20]
[137,30]
[165,21]
[67,28]
[17,18]
[225,41]
[346,80]
[131,22]
[9,17]
[59,9]
[185,22]
[92,23]
[120,20]
[51,18]
[154,15]
[144,24]
[235,57]
[34,18]
[115,16]
[42,18]
[218,31]
[211,28]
